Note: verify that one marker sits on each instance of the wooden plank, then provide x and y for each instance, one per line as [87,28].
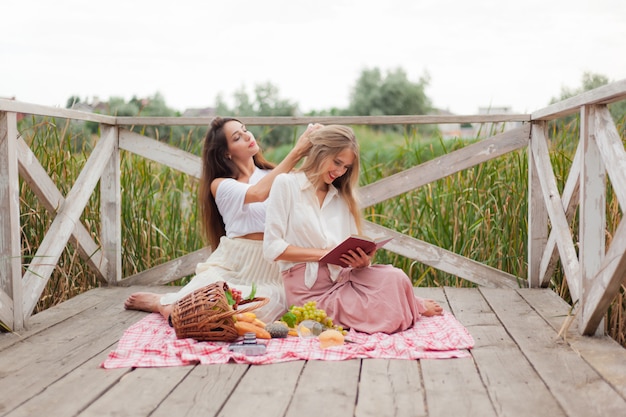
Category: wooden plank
[603,287]
[52,316]
[570,204]
[537,222]
[82,308]
[455,375]
[345,120]
[554,205]
[169,271]
[111,211]
[264,391]
[86,383]
[611,148]
[101,297]
[11,311]
[442,259]
[443,166]
[34,174]
[6,310]
[161,152]
[603,353]
[60,230]
[33,364]
[459,378]
[607,282]
[29,108]
[602,95]
[578,388]
[203,391]
[513,385]
[390,388]
[324,388]
[592,211]
[138,393]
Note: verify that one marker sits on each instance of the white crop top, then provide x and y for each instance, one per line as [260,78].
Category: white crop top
[240,219]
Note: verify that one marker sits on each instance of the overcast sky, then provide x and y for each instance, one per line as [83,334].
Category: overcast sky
[516,53]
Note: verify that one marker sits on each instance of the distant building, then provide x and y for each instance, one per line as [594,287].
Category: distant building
[490,129]
[93,106]
[453,130]
[476,130]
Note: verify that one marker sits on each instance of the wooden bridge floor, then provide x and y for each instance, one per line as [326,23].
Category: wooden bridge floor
[519,367]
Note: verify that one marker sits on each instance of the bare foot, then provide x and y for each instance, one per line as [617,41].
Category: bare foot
[144,301]
[432,308]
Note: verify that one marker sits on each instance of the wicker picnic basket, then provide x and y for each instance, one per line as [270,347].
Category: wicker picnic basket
[205,315]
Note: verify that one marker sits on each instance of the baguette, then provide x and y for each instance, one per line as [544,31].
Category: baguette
[245,327]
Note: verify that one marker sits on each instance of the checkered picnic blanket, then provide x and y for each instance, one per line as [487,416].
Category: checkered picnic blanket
[151,342]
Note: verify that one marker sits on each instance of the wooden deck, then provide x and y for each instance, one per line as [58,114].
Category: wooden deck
[519,367]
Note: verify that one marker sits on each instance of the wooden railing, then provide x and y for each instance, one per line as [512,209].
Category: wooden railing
[594,273]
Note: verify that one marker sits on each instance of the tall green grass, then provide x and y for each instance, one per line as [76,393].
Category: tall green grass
[480,213]
[159,215]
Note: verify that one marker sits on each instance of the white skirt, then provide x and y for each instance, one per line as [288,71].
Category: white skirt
[240,263]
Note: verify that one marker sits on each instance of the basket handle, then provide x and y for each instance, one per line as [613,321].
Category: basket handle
[260,300]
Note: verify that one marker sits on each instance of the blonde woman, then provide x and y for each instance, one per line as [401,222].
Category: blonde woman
[314,209]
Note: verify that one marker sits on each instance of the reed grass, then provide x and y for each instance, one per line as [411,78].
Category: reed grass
[476,213]
[159,220]
[480,213]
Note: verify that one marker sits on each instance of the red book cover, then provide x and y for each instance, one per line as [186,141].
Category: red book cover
[351,243]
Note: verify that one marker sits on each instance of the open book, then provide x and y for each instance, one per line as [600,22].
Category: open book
[368,244]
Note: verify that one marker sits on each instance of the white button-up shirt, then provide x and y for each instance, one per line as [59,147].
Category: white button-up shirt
[294,217]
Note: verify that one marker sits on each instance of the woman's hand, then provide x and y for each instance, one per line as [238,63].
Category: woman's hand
[304,144]
[358,258]
[261,190]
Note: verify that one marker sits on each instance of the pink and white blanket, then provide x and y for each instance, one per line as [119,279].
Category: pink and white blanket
[151,342]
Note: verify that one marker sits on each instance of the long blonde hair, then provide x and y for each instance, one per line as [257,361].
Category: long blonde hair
[328,142]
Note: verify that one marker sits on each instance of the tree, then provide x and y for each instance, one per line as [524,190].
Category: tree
[393,94]
[365,95]
[72,101]
[117,106]
[589,82]
[267,102]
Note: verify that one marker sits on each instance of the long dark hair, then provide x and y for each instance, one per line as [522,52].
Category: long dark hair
[215,164]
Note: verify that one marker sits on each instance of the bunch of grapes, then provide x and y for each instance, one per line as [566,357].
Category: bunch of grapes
[236,296]
[309,311]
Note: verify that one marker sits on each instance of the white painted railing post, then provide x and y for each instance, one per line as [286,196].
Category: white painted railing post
[556,212]
[592,211]
[11,311]
[537,217]
[606,281]
[111,210]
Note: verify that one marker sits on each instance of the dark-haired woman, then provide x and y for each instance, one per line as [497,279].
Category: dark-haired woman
[235,183]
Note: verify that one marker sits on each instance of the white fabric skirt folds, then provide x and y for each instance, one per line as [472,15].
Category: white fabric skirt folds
[240,263]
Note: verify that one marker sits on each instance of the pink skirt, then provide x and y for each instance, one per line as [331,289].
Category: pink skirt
[378,298]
